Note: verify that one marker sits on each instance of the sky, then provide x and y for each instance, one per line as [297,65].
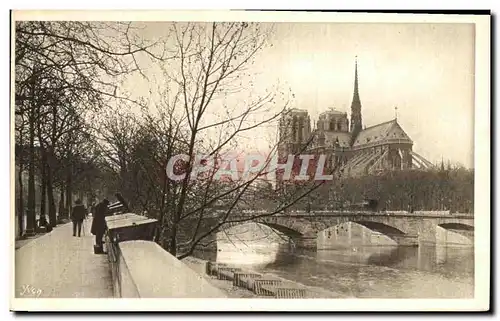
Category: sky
[425,70]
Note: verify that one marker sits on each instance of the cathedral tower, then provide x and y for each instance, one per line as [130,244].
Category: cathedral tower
[334,121]
[356,120]
[294,130]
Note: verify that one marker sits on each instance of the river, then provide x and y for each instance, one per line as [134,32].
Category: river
[361,271]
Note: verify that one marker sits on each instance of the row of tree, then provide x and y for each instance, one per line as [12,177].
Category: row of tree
[442,188]
[65,72]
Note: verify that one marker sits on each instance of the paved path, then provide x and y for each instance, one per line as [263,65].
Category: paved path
[58,265]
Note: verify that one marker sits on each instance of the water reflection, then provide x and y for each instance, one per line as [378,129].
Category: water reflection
[390,257]
[351,267]
[431,258]
[368,271]
[254,254]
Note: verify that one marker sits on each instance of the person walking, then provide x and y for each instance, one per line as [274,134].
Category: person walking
[78,214]
[99,224]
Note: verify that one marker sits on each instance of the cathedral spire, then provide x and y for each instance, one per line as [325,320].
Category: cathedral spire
[356,93]
[356,120]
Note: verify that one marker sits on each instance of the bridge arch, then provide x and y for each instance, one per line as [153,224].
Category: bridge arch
[284,229]
[310,227]
[382,228]
[385,229]
[452,230]
[457,226]
[394,233]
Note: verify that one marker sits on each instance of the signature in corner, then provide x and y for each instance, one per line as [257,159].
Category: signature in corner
[29,290]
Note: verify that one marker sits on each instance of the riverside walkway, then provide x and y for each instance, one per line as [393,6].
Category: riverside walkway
[59,265]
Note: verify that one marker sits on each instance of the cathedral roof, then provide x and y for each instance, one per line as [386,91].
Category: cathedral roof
[380,133]
[330,138]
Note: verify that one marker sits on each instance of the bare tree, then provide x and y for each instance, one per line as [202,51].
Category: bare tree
[211,64]
[195,112]
[20,154]
[75,66]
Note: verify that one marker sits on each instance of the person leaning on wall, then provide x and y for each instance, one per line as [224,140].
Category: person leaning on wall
[99,225]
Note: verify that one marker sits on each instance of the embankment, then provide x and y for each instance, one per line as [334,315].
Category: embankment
[238,282]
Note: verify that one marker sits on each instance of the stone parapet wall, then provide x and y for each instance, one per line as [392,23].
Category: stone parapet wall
[144,270]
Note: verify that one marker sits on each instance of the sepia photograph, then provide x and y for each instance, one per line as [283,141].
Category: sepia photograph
[341,160]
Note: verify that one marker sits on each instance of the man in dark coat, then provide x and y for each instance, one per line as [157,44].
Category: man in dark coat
[78,213]
[98,222]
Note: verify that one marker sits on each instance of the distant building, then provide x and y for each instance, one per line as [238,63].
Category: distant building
[350,148]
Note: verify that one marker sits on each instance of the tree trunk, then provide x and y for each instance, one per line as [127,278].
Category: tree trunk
[173,237]
[31,215]
[43,174]
[21,197]
[43,189]
[50,196]
[69,192]
[50,165]
[20,208]
[62,210]
[182,198]
[159,236]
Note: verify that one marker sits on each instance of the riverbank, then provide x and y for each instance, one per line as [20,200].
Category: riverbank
[199,266]
[232,291]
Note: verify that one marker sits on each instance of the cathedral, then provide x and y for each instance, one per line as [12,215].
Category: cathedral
[351,149]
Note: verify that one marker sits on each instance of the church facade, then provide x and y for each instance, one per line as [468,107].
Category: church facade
[350,148]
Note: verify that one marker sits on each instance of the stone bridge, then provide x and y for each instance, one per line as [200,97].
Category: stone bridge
[404,228]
